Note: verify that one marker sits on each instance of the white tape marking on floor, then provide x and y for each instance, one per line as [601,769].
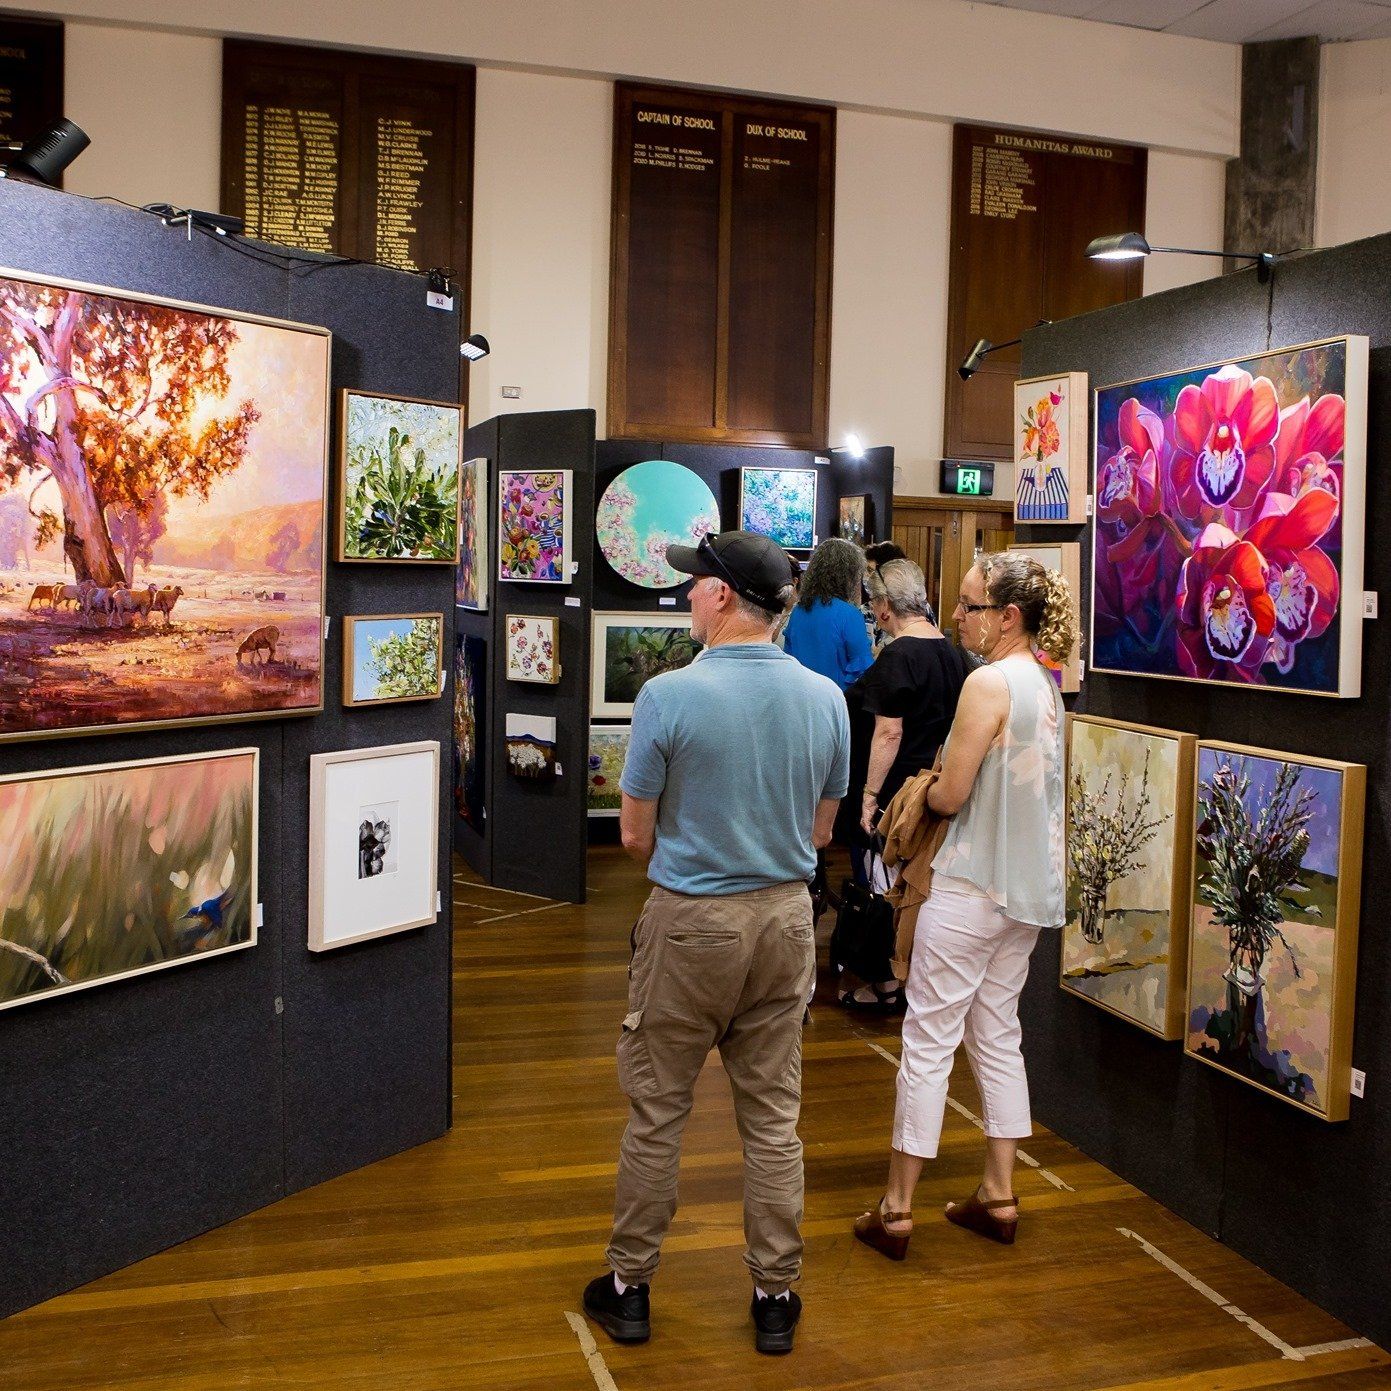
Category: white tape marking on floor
[980,1125]
[1207,1292]
[1346,1345]
[520,913]
[493,888]
[602,1379]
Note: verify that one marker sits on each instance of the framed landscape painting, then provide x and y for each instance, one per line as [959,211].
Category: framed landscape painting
[1276,899]
[534,527]
[1229,522]
[628,650]
[373,842]
[471,578]
[1129,859]
[390,658]
[533,648]
[163,477]
[1066,558]
[647,508]
[1050,449]
[183,832]
[779,503]
[608,747]
[399,476]
[530,741]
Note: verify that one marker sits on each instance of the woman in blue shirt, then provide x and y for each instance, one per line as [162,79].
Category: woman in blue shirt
[826,631]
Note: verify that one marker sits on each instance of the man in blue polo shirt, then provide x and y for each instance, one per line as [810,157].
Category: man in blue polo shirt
[735,767]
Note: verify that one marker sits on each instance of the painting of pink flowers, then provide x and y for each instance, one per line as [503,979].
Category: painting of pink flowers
[532,649]
[534,527]
[1050,448]
[1229,522]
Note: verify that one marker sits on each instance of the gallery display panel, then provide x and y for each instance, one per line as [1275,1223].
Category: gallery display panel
[1230,501]
[163,483]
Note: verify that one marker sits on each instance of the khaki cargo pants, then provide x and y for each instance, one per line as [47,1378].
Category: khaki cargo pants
[732,973]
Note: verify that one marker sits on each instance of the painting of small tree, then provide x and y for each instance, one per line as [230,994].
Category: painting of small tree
[407,664]
[102,407]
[1253,877]
[1105,837]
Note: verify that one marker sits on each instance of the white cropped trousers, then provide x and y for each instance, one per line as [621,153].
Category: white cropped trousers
[970,961]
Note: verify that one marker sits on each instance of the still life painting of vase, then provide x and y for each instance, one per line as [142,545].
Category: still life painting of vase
[1229,522]
[1050,449]
[1275,906]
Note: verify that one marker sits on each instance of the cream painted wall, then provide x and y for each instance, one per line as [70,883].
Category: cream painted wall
[151,102]
[888,288]
[1354,174]
[541,241]
[1184,200]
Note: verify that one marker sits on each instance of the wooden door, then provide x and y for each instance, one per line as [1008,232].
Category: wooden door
[943,537]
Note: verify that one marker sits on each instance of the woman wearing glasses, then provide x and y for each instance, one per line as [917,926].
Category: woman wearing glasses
[997,881]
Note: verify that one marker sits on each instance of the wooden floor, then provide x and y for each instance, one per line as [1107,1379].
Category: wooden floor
[460,1264]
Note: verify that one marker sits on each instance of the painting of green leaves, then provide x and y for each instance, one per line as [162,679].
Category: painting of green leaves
[629,649]
[123,868]
[393,657]
[399,477]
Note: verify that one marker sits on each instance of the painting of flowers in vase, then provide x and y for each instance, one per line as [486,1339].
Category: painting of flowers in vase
[1229,522]
[1276,899]
[534,527]
[1050,449]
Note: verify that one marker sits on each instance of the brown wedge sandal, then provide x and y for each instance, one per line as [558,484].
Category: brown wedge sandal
[870,1229]
[978,1216]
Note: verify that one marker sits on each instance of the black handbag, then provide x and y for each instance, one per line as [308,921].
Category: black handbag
[863,940]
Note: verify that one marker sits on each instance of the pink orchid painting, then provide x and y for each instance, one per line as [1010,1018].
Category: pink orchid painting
[1229,519]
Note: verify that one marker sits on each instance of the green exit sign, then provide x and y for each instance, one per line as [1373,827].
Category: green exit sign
[964,479]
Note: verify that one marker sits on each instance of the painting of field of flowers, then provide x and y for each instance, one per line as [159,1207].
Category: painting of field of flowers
[1129,827]
[399,472]
[118,870]
[608,748]
[647,508]
[1050,449]
[779,503]
[1229,522]
[534,527]
[471,578]
[1275,915]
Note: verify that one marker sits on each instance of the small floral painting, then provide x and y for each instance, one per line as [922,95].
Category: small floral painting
[608,747]
[532,649]
[1229,515]
[647,508]
[471,578]
[1050,449]
[534,530]
[531,747]
[1276,886]
[779,503]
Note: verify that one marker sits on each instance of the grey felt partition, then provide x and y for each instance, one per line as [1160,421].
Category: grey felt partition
[1303,1199]
[137,1114]
[533,841]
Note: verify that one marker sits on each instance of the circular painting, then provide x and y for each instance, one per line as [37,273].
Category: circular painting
[647,508]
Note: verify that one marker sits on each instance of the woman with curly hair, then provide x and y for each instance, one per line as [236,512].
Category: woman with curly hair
[825,631]
[997,881]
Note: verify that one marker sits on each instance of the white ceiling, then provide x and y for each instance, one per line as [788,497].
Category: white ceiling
[1231,21]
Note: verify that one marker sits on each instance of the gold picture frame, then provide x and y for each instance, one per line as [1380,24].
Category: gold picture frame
[353,622]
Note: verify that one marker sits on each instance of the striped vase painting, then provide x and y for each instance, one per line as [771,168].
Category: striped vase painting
[1050,449]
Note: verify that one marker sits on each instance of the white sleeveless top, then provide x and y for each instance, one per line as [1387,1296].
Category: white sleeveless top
[1007,841]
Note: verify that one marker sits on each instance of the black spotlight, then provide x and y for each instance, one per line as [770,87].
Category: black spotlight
[43,159]
[475,346]
[974,358]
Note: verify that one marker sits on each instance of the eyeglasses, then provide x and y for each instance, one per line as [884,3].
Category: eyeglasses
[974,608]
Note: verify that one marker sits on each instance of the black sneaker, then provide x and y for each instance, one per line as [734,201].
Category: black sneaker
[624,1317]
[775,1321]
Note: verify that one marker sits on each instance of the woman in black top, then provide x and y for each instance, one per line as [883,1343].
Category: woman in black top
[910,693]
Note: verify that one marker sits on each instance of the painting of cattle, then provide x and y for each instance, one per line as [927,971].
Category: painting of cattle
[163,474]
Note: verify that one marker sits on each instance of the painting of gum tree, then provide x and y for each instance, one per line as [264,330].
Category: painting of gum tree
[162,478]
[1275,915]
[1129,820]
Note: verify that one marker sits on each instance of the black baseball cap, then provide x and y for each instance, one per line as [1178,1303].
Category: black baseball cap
[751,565]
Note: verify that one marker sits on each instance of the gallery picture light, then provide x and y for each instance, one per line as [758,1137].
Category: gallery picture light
[1131,246]
[42,159]
[853,447]
[474,346]
[977,355]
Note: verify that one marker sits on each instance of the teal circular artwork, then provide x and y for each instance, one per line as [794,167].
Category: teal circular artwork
[647,508]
